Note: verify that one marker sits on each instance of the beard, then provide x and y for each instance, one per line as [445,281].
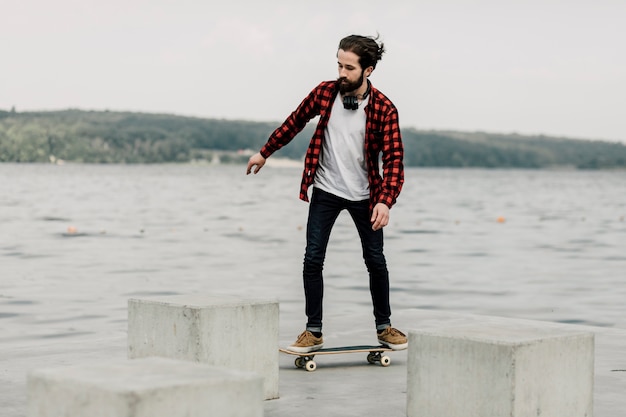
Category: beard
[346,86]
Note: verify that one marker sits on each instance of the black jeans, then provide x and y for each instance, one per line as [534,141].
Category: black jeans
[323,211]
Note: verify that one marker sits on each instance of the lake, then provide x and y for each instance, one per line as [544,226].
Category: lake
[74,239]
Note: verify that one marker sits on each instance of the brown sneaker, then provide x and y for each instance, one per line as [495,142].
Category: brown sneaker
[393,338]
[306,343]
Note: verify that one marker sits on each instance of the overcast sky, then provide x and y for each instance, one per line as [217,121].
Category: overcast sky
[532,67]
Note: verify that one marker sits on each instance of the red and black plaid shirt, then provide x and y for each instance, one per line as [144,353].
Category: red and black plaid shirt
[382,134]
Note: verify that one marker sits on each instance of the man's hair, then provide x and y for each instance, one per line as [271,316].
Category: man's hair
[369,50]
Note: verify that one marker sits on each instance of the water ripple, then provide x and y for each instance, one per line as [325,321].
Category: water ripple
[419,232]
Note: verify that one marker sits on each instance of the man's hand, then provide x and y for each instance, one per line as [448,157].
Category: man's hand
[380,216]
[255,160]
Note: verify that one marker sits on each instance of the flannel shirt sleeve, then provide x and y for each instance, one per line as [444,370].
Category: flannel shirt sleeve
[392,159]
[293,125]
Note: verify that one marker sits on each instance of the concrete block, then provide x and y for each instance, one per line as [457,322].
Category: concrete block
[222,331]
[500,371]
[149,387]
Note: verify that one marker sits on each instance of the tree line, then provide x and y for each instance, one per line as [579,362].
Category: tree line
[127,137]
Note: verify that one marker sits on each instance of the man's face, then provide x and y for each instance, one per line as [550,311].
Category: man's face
[350,73]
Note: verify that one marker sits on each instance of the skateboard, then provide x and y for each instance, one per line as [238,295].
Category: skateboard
[374,354]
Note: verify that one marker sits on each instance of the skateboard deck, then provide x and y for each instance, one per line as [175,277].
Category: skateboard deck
[374,354]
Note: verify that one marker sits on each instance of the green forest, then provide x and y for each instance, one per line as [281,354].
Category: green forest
[126,137]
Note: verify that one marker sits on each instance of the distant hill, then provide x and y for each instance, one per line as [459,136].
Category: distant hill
[126,137]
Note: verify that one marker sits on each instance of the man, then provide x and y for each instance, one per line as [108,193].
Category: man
[357,123]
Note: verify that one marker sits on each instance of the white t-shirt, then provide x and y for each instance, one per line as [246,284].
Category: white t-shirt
[343,168]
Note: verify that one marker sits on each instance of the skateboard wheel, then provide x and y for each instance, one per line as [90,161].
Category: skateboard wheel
[371,357]
[299,362]
[311,366]
[385,361]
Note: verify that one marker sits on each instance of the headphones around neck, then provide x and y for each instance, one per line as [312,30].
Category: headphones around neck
[352,102]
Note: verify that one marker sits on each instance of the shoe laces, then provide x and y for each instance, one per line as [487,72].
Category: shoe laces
[394,332]
[305,335]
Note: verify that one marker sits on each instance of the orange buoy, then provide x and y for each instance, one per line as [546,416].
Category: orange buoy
[501,219]
[72,230]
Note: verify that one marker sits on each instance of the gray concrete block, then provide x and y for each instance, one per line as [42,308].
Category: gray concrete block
[222,331]
[500,370]
[149,387]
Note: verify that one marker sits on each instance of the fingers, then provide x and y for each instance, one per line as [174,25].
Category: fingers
[257,161]
[379,223]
